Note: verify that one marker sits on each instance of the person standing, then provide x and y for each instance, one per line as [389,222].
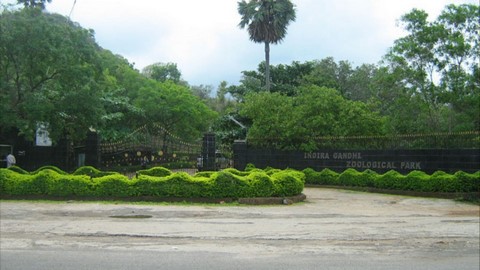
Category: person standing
[11,161]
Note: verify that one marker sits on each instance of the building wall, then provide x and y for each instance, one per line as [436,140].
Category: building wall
[403,161]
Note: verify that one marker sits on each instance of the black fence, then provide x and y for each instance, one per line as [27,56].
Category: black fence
[379,154]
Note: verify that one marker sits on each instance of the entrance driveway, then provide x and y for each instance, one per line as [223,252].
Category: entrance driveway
[336,229]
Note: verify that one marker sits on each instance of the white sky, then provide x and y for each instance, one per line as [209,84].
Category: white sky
[203,37]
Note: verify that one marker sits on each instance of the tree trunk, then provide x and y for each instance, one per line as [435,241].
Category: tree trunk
[267,66]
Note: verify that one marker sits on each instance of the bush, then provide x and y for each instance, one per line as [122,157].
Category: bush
[261,184]
[22,184]
[468,182]
[325,177]
[239,173]
[8,181]
[90,182]
[227,184]
[49,167]
[206,174]
[113,185]
[93,172]
[249,167]
[444,182]
[146,185]
[155,171]
[287,184]
[389,180]
[416,181]
[18,170]
[70,185]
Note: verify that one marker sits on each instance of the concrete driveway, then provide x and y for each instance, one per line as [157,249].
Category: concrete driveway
[335,228]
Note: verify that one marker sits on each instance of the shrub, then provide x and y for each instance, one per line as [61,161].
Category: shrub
[18,170]
[468,182]
[352,177]
[113,185]
[416,181]
[89,182]
[239,173]
[227,184]
[92,172]
[22,184]
[146,185]
[49,167]
[287,184]
[70,185]
[261,184]
[444,182]
[8,181]
[182,185]
[389,180]
[155,171]
[206,174]
[249,167]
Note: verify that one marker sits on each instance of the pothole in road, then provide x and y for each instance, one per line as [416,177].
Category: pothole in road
[132,216]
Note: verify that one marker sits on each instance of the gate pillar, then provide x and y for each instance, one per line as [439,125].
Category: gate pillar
[208,152]
[92,150]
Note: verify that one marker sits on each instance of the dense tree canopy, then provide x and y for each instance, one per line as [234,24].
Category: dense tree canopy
[53,74]
[427,83]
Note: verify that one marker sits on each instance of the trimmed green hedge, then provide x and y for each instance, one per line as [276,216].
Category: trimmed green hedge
[92,172]
[158,182]
[413,181]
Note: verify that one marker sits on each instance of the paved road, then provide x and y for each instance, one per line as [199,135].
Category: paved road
[334,229]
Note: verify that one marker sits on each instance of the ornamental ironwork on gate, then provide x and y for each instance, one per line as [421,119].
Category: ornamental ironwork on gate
[147,147]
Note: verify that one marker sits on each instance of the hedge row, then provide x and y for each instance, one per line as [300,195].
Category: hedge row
[414,181]
[159,182]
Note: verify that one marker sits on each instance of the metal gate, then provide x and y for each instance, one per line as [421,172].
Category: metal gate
[147,147]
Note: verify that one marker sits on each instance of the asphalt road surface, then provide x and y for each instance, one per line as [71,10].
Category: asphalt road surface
[333,229]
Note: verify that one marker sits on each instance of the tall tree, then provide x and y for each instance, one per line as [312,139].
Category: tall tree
[439,60]
[266,21]
[47,75]
[162,72]
[34,3]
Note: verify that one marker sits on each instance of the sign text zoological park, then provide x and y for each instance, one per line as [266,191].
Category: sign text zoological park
[359,160]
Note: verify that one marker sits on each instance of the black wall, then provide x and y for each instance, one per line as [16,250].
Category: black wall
[403,161]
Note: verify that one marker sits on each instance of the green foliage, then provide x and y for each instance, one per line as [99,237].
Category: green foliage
[162,72]
[227,184]
[416,180]
[179,185]
[352,177]
[92,172]
[413,181]
[113,186]
[438,60]
[48,75]
[70,185]
[250,167]
[239,173]
[287,183]
[157,182]
[49,167]
[155,171]
[261,184]
[18,170]
[206,174]
[469,182]
[284,122]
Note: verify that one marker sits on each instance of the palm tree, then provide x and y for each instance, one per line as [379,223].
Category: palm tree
[266,21]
